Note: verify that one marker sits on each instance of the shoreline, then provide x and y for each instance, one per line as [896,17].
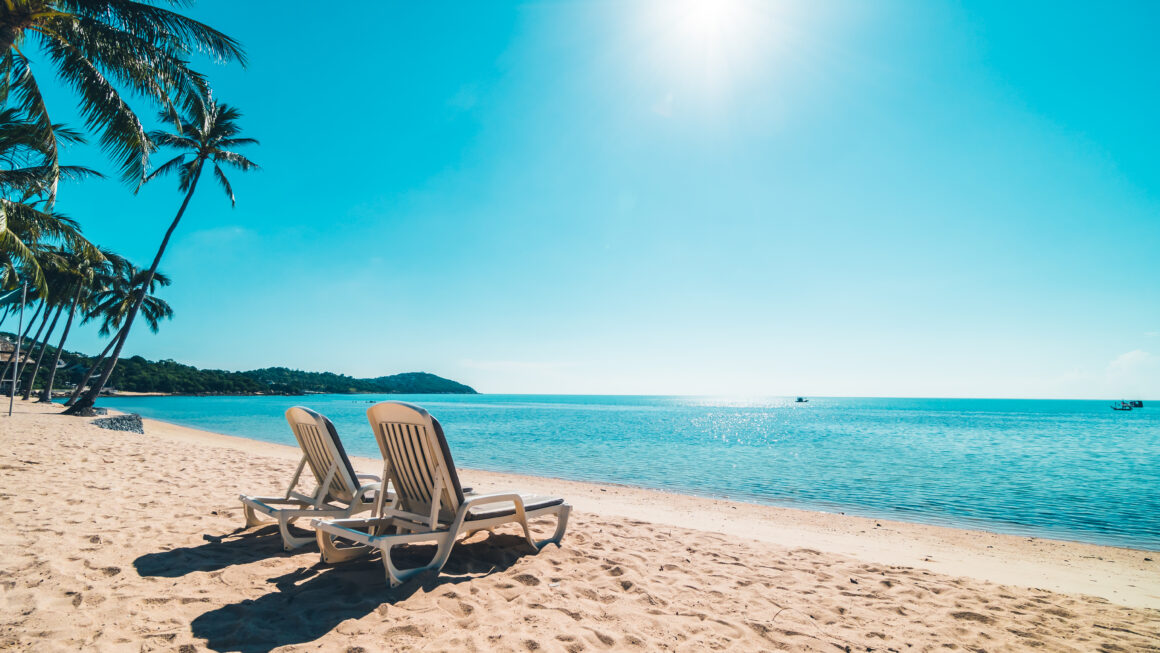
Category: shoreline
[1125,576]
[129,394]
[1016,531]
[143,546]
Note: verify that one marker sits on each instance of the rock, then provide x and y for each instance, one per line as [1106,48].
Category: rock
[130,423]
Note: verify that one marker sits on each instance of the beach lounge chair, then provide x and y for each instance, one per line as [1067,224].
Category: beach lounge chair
[431,505]
[341,491]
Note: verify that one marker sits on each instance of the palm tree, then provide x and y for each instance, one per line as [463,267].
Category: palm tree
[207,136]
[88,271]
[22,338]
[101,48]
[112,304]
[53,263]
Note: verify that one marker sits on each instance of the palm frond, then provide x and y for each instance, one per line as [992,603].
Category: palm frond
[221,177]
[167,167]
[109,51]
[161,26]
[235,160]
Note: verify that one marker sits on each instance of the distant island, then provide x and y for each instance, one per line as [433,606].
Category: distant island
[137,374]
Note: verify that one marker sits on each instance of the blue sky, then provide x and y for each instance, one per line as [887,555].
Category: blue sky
[688,197]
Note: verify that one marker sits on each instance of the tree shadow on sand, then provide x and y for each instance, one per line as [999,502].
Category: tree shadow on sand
[311,602]
[239,547]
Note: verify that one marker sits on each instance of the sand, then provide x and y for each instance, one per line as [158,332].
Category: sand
[122,542]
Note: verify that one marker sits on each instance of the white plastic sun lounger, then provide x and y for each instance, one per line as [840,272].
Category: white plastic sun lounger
[431,505]
[341,492]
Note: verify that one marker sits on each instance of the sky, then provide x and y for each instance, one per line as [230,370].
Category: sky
[728,197]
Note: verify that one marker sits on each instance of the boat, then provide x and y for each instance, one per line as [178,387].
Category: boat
[1123,405]
[1136,403]
[800,400]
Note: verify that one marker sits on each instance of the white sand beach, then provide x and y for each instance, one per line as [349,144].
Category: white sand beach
[114,541]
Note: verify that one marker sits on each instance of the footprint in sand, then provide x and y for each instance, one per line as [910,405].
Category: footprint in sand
[972,616]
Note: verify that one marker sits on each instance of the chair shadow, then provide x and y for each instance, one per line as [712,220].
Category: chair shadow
[239,547]
[310,602]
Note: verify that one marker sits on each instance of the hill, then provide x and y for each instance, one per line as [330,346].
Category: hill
[406,383]
[137,374]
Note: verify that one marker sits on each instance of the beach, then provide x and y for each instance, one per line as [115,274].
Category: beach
[118,541]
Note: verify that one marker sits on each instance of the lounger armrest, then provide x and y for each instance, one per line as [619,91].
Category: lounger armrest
[348,523]
[368,477]
[366,489]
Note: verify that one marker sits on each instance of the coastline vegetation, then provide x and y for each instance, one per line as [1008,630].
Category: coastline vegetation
[137,374]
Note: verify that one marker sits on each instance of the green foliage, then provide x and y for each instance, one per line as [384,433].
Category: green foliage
[28,180]
[136,374]
[105,51]
[407,383]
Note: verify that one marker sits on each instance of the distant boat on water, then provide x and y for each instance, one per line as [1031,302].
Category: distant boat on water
[800,400]
[1124,405]
[1136,403]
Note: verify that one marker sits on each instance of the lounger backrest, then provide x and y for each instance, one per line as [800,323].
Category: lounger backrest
[412,442]
[320,444]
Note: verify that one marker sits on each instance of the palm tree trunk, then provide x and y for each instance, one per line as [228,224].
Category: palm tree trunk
[92,370]
[40,357]
[35,339]
[46,394]
[21,337]
[84,406]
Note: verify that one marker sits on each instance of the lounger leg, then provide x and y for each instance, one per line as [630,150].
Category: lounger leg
[289,542]
[252,518]
[331,554]
[396,576]
[443,553]
[561,526]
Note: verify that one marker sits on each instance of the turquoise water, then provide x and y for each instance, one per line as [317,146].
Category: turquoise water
[1066,469]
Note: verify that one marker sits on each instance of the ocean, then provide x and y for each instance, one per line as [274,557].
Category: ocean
[1063,469]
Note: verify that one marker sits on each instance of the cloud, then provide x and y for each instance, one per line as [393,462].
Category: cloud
[1136,372]
[1152,334]
[229,242]
[664,106]
[220,236]
[1128,362]
[513,366]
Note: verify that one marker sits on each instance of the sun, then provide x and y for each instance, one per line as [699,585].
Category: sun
[708,43]
[708,24]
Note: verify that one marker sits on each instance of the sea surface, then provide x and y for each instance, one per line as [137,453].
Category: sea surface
[1064,469]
